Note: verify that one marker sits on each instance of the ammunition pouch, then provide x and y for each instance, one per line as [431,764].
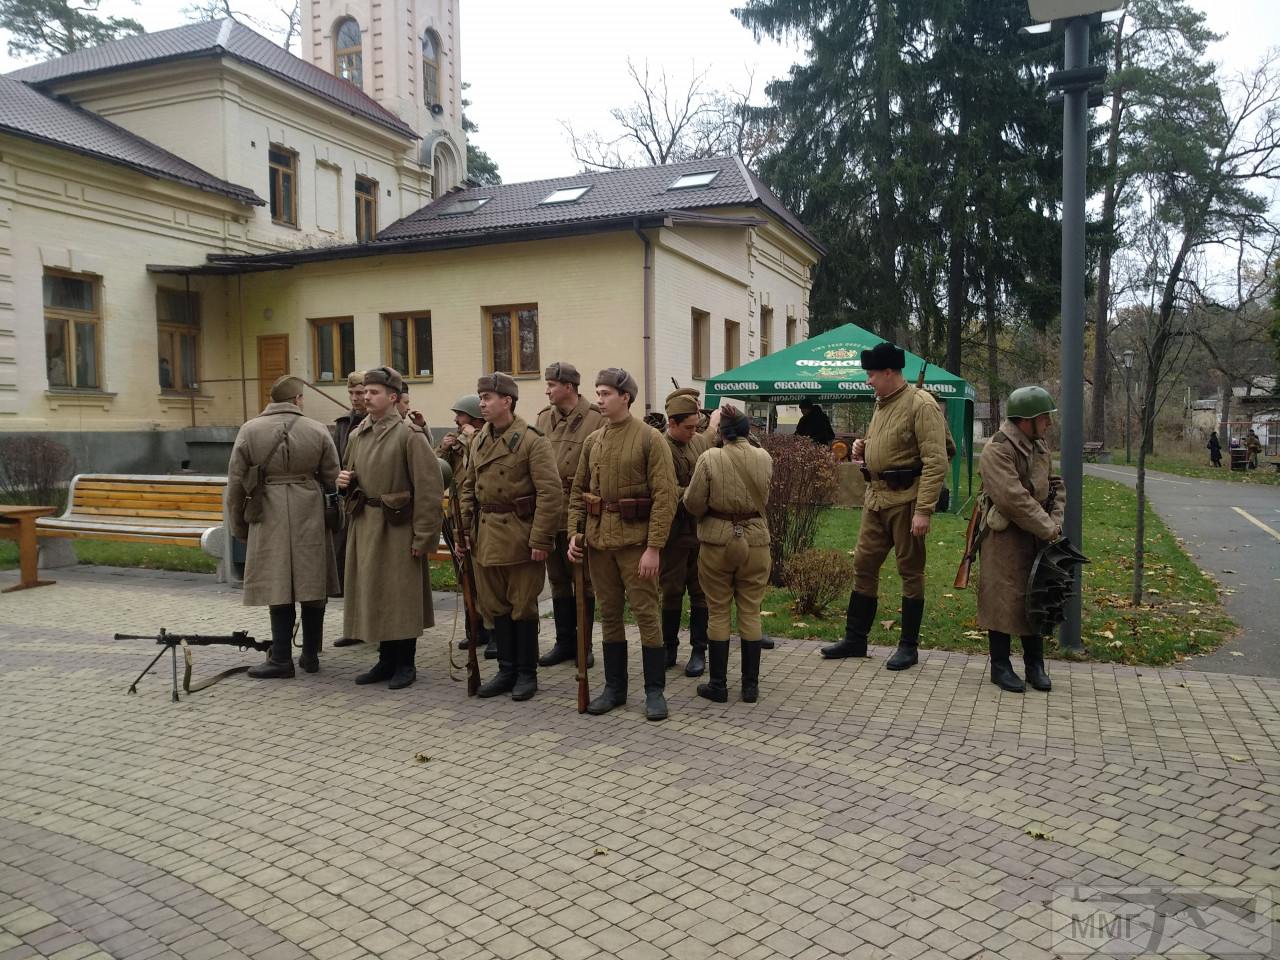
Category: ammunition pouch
[899,478]
[630,509]
[333,513]
[397,508]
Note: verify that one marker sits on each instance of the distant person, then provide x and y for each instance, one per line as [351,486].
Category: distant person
[1254,447]
[1215,449]
[814,423]
[166,374]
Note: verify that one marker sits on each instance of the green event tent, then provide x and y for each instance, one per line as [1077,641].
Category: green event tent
[828,369]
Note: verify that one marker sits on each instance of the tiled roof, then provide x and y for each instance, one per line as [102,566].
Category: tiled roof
[208,39]
[611,195]
[28,113]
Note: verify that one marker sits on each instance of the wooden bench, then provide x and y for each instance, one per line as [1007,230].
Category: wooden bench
[1094,452]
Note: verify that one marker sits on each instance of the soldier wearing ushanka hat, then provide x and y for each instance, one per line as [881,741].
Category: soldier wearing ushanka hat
[567,420]
[680,555]
[511,503]
[281,466]
[904,461]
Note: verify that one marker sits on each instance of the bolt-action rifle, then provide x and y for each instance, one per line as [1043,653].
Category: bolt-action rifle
[973,535]
[454,537]
[584,619]
[171,641]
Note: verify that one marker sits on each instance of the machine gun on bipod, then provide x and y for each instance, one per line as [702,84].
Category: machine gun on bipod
[172,641]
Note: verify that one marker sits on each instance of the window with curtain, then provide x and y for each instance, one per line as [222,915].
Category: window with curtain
[73,330]
[512,339]
[408,344]
[178,338]
[333,348]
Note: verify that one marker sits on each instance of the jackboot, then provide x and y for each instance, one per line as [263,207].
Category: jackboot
[1002,674]
[347,642]
[406,664]
[488,641]
[750,671]
[907,654]
[655,682]
[858,618]
[526,660]
[614,693]
[766,642]
[565,612]
[504,638]
[1033,663]
[717,689]
[384,668]
[697,664]
[670,636]
[279,662]
[312,637]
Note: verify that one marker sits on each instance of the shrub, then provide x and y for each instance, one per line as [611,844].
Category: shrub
[34,470]
[804,484]
[817,579]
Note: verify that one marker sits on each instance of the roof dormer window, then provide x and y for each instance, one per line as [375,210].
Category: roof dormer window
[466,205]
[565,195]
[700,179]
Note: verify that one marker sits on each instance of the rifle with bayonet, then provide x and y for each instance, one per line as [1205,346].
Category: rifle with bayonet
[172,641]
[454,538]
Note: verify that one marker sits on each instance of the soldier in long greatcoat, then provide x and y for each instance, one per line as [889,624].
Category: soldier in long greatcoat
[290,557]
[1025,509]
[394,488]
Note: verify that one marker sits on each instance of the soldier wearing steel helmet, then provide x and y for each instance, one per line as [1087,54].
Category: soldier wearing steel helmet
[467,418]
[1023,504]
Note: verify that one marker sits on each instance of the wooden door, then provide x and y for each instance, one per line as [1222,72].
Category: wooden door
[273,363]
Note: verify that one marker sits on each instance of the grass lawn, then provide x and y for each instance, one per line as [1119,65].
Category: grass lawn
[1186,465]
[109,553]
[1182,614]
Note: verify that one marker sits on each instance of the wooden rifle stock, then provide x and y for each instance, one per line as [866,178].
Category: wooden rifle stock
[966,562]
[466,584]
[584,621]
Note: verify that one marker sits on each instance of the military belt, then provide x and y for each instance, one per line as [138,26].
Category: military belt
[289,478]
[522,507]
[899,478]
[734,517]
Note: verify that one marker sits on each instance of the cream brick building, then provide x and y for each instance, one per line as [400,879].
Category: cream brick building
[186,215]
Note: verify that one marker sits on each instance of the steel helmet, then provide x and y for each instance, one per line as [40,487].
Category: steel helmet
[468,404]
[1027,403]
[446,472]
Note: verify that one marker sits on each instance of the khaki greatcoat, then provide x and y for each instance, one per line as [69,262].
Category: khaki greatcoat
[387,595]
[290,558]
[1016,476]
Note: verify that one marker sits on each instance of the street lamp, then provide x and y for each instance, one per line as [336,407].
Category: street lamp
[1127,359]
[1074,81]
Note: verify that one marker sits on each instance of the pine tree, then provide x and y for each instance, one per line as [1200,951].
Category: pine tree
[57,27]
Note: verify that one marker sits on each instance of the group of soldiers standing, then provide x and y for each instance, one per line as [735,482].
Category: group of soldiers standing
[652,516]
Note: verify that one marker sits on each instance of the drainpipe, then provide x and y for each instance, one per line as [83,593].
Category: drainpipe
[647,280]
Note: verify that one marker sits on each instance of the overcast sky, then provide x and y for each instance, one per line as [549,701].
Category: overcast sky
[534,64]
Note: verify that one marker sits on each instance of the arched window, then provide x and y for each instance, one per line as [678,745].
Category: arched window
[430,68]
[347,59]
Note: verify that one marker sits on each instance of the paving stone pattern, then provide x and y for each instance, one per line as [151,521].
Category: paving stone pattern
[850,813]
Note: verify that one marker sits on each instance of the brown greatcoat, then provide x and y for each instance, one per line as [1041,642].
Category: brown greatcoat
[567,433]
[290,557]
[1016,476]
[624,460]
[502,467]
[387,595]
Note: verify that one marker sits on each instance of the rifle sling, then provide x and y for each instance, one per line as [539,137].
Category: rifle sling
[189,687]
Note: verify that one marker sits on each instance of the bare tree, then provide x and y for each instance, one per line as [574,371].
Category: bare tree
[673,121]
[282,21]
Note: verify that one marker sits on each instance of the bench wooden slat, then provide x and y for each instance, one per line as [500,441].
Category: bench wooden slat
[169,540]
[153,503]
[151,487]
[213,515]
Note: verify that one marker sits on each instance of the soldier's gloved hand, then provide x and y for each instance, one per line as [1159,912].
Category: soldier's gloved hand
[650,561]
[919,525]
[344,478]
[537,556]
[575,548]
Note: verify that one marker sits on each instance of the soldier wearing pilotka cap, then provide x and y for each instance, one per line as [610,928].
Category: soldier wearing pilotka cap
[511,503]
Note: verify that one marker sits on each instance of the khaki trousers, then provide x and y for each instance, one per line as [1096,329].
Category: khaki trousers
[615,574]
[560,569]
[680,573]
[509,591]
[882,531]
[738,573]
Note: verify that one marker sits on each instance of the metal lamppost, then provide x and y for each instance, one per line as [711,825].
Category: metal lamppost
[1074,81]
[1127,359]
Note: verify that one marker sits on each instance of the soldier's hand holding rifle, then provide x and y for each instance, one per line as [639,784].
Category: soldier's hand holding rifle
[575,548]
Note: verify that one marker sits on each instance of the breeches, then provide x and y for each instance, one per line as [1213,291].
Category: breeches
[734,573]
[882,531]
[615,575]
[509,591]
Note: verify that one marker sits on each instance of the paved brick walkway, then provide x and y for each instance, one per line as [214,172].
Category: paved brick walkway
[852,812]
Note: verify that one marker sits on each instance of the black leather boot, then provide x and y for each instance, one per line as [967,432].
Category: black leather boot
[614,693]
[565,611]
[312,637]
[347,642]
[1033,663]
[717,689]
[670,636]
[858,618]
[1002,674]
[655,682]
[526,660]
[504,637]
[750,671]
[406,664]
[488,639]
[279,662]
[591,627]
[697,664]
[766,642]
[907,654]
[384,668]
